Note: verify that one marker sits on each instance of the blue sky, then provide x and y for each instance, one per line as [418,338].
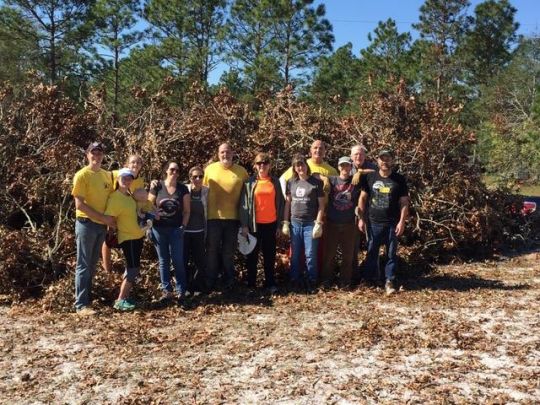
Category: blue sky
[353,20]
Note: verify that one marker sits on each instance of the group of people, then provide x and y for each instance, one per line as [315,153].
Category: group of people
[201,223]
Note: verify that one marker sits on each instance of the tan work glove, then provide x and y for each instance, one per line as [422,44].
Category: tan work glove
[317,230]
[286,228]
[356,178]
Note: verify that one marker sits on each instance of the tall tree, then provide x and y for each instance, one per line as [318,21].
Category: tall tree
[205,32]
[59,28]
[251,41]
[189,35]
[487,47]
[336,76]
[168,28]
[20,50]
[388,55]
[442,26]
[115,22]
[510,131]
[302,35]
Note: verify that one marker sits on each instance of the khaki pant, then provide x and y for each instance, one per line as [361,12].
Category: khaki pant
[344,236]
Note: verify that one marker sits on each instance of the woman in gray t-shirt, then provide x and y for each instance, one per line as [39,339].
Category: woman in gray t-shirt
[172,201]
[194,235]
[304,206]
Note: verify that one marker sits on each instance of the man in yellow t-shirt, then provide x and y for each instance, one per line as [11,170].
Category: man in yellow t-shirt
[224,180]
[316,164]
[91,188]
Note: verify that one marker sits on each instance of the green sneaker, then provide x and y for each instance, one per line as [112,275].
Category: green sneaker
[123,305]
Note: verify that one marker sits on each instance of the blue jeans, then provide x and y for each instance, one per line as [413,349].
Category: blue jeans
[222,240]
[169,244]
[302,241]
[90,237]
[381,234]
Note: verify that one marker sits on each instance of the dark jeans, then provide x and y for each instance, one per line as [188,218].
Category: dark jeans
[266,238]
[378,235]
[194,250]
[90,237]
[169,243]
[222,240]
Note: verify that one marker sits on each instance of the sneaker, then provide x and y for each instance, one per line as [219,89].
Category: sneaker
[86,311]
[166,297]
[123,305]
[181,300]
[389,287]
[311,287]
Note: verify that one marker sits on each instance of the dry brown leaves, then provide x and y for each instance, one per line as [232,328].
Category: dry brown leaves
[463,334]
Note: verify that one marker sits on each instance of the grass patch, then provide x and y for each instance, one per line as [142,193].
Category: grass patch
[526,189]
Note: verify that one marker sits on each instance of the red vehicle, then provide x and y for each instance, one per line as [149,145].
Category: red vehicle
[530,205]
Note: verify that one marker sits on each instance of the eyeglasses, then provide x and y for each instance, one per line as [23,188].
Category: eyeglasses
[264,162]
[197,177]
[174,169]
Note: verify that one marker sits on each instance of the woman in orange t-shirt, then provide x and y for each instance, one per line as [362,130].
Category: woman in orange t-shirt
[261,210]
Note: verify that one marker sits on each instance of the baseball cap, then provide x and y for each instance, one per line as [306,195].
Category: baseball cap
[125,172]
[344,159]
[385,152]
[94,146]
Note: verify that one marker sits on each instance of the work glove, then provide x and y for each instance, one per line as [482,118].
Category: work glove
[286,228]
[317,230]
[356,178]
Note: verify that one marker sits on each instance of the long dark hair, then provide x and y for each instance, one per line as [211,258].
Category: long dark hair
[297,158]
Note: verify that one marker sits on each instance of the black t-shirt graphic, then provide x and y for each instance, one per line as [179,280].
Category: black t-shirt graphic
[383,196]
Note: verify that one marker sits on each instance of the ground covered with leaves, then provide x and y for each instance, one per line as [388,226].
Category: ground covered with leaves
[467,333]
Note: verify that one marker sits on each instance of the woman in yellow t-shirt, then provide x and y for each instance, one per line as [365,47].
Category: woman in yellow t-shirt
[123,208]
[261,209]
[134,163]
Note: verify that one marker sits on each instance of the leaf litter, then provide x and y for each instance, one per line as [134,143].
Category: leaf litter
[463,333]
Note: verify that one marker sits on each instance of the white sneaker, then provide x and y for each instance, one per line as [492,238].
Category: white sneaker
[389,287]
[86,311]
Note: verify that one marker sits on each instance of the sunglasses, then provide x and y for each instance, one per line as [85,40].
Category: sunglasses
[174,169]
[263,162]
[197,177]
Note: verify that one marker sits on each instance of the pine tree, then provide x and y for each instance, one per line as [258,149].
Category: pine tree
[487,47]
[58,26]
[115,22]
[388,56]
[442,27]
[302,35]
[337,76]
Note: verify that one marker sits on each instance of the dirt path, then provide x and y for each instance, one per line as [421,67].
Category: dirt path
[465,334]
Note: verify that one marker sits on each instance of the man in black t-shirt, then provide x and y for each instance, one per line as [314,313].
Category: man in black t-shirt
[383,210]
